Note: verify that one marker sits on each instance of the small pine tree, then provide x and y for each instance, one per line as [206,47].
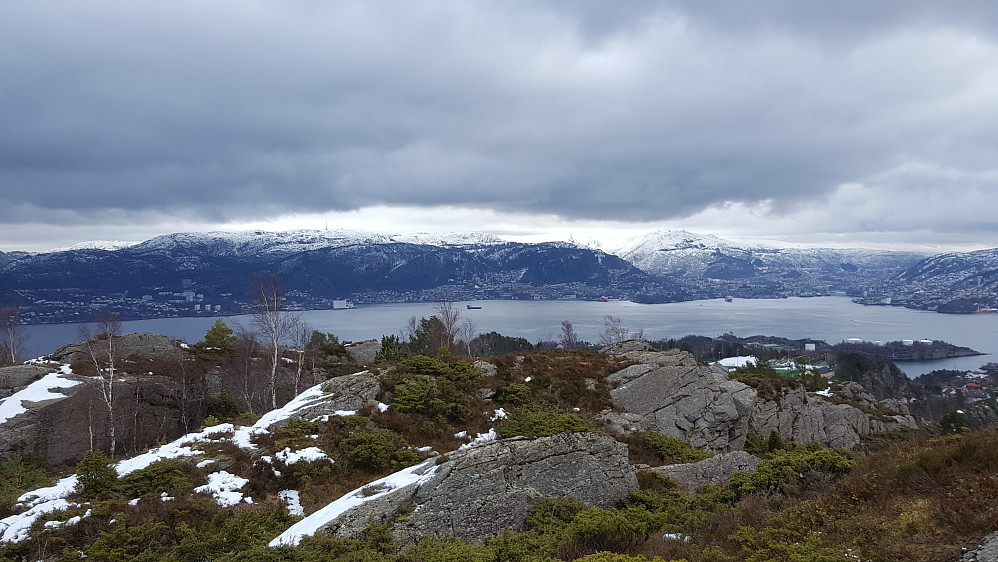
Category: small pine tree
[96,478]
[219,341]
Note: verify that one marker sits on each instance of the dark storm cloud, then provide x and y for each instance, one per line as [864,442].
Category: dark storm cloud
[633,111]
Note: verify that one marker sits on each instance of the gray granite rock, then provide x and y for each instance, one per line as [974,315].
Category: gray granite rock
[715,470]
[674,395]
[482,490]
[363,352]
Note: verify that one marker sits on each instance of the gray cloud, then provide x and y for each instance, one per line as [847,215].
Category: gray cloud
[585,110]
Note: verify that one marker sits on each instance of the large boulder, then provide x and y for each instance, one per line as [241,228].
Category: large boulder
[670,393]
[363,352]
[482,490]
[715,470]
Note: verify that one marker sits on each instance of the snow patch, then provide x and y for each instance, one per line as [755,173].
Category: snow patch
[222,486]
[308,526]
[499,414]
[738,362]
[289,457]
[293,500]
[481,439]
[15,528]
[38,391]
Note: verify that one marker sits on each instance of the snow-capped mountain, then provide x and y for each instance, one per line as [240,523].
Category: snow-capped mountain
[681,254]
[951,282]
[169,274]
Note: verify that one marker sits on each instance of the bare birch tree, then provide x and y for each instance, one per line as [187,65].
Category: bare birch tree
[301,340]
[468,330]
[13,334]
[614,332]
[272,321]
[102,348]
[569,337]
[449,317]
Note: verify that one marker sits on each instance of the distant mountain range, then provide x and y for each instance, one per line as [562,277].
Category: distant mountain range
[691,258]
[195,273]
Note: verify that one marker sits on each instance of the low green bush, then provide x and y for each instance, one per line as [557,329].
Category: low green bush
[540,421]
[165,475]
[378,450]
[431,397]
[786,466]
[673,449]
[613,529]
[20,474]
[96,477]
[515,394]
[552,515]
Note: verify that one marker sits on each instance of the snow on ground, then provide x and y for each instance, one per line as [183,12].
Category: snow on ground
[307,398]
[222,486]
[59,490]
[289,457]
[308,526]
[499,414]
[293,500]
[481,439]
[172,450]
[37,391]
[826,393]
[15,528]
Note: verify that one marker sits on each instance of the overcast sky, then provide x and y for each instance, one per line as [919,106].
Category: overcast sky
[847,123]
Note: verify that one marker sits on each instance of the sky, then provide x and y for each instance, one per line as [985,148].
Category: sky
[849,123]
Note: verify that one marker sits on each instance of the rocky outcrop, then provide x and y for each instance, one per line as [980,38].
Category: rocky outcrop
[482,490]
[147,409]
[715,470]
[363,352]
[669,393]
[16,377]
[839,420]
[142,344]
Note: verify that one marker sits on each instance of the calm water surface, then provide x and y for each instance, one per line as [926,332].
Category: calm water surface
[831,319]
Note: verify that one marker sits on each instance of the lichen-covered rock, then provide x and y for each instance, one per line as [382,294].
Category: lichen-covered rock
[363,352]
[482,490]
[715,470]
[675,396]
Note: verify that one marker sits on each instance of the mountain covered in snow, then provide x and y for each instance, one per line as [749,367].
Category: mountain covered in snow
[694,258]
[188,270]
[958,282]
